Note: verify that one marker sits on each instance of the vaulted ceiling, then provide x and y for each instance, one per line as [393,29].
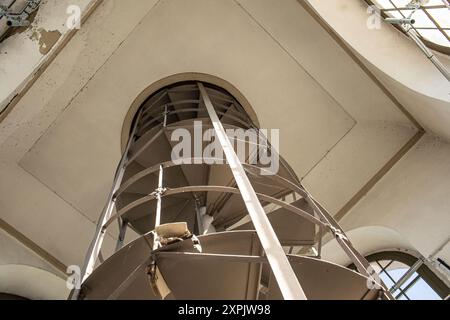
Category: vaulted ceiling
[60,144]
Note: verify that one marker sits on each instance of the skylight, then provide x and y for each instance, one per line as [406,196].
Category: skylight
[432,19]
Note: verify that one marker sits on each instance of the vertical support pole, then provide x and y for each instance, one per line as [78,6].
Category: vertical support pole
[96,243]
[438,64]
[165,117]
[122,231]
[319,244]
[158,197]
[200,212]
[281,268]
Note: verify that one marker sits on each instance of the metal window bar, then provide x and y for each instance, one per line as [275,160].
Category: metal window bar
[383,270]
[414,35]
[407,275]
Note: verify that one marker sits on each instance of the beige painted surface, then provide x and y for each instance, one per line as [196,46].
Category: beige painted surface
[32,283]
[42,216]
[346,169]
[62,158]
[60,145]
[24,273]
[25,202]
[412,199]
[14,252]
[368,240]
[396,60]
[324,60]
[23,52]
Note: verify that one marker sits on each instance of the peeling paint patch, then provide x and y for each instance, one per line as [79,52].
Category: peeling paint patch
[47,40]
[12,31]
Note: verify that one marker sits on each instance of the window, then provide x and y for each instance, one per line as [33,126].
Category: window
[432,19]
[407,278]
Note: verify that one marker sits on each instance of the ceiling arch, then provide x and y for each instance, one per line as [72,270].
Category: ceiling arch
[31,283]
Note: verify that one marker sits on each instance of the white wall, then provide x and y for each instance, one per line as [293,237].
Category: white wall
[67,128]
[25,274]
[23,52]
[395,60]
[413,199]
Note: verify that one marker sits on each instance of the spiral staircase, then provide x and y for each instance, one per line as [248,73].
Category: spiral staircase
[202,233]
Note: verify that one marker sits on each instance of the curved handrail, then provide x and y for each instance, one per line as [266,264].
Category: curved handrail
[176,112]
[190,189]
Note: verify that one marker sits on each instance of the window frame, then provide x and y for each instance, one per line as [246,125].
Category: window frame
[430,44]
[423,271]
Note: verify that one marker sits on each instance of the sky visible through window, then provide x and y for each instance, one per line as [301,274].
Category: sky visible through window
[432,19]
[415,288]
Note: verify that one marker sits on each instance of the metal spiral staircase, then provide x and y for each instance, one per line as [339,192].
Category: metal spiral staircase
[217,228]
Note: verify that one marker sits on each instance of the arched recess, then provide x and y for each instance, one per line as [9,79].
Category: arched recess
[181,77]
[31,283]
[368,240]
[422,283]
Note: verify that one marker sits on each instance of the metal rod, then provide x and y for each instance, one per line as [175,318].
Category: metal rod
[200,212]
[360,262]
[407,275]
[210,256]
[222,189]
[281,268]
[319,244]
[122,232]
[138,152]
[158,197]
[411,33]
[97,241]
[165,116]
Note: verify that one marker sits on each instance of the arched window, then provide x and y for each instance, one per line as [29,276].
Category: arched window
[407,277]
[432,19]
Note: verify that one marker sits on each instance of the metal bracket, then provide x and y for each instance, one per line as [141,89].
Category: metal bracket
[337,233]
[159,192]
[19,19]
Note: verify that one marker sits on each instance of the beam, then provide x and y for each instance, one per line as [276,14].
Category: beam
[281,268]
[30,244]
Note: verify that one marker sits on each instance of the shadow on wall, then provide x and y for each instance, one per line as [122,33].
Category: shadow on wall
[368,240]
[177,78]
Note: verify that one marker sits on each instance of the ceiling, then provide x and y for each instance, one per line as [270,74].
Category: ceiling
[61,143]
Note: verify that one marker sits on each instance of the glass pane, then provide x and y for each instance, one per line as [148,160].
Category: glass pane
[442,16]
[422,291]
[386,280]
[401,3]
[384,4]
[396,274]
[402,297]
[428,27]
[422,20]
[406,13]
[407,282]
[435,36]
[395,14]
[384,263]
[435,3]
